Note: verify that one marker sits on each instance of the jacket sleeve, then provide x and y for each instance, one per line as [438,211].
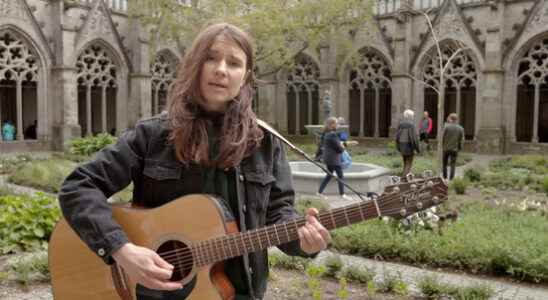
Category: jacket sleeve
[83,195]
[429,126]
[414,139]
[282,199]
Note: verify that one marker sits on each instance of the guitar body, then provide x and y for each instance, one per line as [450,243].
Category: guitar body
[78,273]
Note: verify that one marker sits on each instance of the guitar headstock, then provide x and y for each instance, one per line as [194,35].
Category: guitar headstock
[412,195]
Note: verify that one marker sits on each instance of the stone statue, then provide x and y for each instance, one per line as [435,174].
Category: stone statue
[327,104]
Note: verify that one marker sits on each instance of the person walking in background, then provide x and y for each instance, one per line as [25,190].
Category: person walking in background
[407,141]
[8,131]
[452,139]
[425,128]
[332,149]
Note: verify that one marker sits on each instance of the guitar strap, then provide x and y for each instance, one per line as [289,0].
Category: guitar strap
[268,128]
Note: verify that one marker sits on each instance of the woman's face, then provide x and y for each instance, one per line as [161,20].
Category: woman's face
[223,74]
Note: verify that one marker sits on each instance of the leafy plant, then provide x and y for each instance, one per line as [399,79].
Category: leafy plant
[333,265]
[432,288]
[26,222]
[314,273]
[89,145]
[283,261]
[473,175]
[29,267]
[356,273]
[459,185]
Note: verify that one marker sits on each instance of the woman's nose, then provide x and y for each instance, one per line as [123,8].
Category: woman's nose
[220,68]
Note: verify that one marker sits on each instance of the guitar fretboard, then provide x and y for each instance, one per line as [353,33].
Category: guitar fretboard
[237,244]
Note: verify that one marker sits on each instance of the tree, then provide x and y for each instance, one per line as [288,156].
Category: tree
[443,56]
[282,29]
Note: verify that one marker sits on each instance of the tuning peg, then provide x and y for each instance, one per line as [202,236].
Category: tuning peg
[396,189]
[403,212]
[419,205]
[430,183]
[435,199]
[413,186]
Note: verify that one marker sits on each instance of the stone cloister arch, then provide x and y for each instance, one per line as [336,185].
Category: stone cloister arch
[532,94]
[370,95]
[19,80]
[302,95]
[163,71]
[460,88]
[97,90]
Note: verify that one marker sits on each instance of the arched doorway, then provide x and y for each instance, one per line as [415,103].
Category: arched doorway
[97,88]
[460,89]
[370,95]
[163,72]
[532,94]
[302,95]
[18,86]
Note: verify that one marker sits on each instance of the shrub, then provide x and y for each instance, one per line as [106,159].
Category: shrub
[29,267]
[354,273]
[89,145]
[433,289]
[472,175]
[333,265]
[545,184]
[44,175]
[288,262]
[459,185]
[303,204]
[26,222]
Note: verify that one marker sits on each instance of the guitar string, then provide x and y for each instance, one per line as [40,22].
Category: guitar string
[265,232]
[188,263]
[186,259]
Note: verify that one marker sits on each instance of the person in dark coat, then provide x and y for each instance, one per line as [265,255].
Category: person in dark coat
[407,140]
[332,150]
[452,139]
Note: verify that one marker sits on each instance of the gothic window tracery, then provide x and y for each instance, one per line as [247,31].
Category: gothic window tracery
[163,72]
[97,87]
[532,90]
[19,67]
[370,95]
[303,95]
[460,88]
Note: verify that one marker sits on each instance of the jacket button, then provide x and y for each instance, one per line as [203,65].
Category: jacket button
[250,271]
[101,252]
[244,208]
[241,177]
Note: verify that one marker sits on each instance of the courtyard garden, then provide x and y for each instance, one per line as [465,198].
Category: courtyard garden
[494,224]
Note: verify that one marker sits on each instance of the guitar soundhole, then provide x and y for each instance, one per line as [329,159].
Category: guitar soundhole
[180,256]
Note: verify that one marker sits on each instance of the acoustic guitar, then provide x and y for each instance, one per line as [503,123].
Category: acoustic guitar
[192,234]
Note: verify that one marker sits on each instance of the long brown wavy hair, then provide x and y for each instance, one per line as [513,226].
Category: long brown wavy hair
[240,135]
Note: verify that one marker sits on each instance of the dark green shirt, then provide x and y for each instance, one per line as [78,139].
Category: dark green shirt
[222,183]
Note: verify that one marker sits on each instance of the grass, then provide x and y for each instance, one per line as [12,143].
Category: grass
[29,267]
[46,175]
[484,239]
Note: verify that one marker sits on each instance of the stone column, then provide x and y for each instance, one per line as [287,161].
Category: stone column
[489,137]
[402,85]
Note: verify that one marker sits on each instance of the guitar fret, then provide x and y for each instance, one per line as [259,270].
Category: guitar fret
[240,251]
[251,244]
[360,208]
[286,232]
[346,216]
[332,219]
[229,246]
[276,231]
[267,238]
[258,234]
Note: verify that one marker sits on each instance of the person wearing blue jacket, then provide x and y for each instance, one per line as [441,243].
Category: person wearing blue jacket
[332,150]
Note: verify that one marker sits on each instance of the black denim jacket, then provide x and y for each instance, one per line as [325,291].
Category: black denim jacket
[144,156]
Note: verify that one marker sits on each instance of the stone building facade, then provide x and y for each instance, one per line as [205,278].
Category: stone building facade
[82,67]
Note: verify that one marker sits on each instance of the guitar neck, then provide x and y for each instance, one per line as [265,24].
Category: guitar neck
[233,245]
